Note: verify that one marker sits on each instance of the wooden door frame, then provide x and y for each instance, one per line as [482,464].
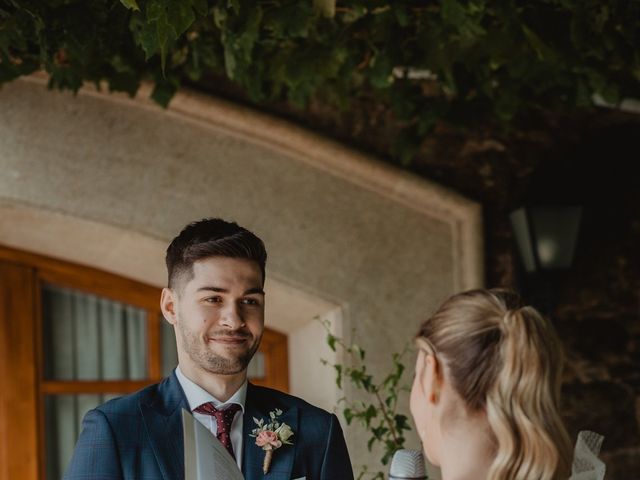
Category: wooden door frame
[19,437]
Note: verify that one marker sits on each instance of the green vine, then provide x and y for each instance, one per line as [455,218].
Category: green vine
[464,62]
[379,413]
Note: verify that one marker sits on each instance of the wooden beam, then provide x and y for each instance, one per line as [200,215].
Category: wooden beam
[86,278]
[18,374]
[66,387]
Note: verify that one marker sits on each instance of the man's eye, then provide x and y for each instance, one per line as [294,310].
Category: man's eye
[213,299]
[250,301]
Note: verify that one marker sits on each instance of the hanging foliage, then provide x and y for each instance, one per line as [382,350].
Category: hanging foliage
[463,62]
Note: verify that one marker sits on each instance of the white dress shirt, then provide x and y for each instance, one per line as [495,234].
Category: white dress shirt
[196,396]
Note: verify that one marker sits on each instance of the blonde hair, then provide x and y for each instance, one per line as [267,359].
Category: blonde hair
[506,360]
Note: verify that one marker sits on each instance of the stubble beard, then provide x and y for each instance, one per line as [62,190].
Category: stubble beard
[210,361]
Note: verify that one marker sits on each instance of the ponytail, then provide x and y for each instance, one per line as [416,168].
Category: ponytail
[506,360]
[522,405]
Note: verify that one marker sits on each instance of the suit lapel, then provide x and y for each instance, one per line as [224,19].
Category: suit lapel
[282,463]
[163,420]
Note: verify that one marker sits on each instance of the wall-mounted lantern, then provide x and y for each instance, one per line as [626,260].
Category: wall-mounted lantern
[546,236]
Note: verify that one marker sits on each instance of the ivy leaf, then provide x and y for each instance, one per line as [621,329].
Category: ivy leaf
[164,90]
[348,415]
[290,21]
[358,351]
[401,422]
[354,13]
[131,5]
[181,14]
[463,19]
[327,8]
[331,341]
[165,33]
[452,12]
[370,413]
[165,21]
[234,5]
[542,51]
[239,39]
[338,369]
[403,16]
[379,431]
[370,443]
[380,71]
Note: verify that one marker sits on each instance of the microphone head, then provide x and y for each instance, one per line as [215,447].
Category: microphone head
[407,465]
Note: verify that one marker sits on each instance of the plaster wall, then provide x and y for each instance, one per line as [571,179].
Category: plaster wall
[342,230]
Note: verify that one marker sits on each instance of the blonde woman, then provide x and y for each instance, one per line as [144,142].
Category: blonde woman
[485,394]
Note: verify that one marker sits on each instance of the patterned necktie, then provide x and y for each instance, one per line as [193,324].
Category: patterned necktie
[224,419]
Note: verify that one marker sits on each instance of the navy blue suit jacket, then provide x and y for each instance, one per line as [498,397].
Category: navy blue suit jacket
[139,436]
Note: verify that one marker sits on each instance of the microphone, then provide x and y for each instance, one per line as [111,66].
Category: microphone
[407,465]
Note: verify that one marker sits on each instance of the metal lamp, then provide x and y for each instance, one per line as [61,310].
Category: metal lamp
[546,236]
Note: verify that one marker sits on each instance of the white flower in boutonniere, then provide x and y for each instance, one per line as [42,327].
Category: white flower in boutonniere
[271,436]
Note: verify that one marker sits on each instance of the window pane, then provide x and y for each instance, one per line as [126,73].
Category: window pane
[63,423]
[87,337]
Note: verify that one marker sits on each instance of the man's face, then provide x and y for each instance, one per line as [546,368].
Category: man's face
[219,314]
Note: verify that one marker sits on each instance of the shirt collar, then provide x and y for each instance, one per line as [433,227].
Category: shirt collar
[196,395]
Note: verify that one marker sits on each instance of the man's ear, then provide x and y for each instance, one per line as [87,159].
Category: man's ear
[168,301]
[432,378]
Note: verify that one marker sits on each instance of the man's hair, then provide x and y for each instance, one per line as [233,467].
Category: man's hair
[211,237]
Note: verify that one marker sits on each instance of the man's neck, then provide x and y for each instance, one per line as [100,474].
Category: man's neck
[222,387]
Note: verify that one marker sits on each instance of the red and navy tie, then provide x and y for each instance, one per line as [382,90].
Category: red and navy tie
[224,419]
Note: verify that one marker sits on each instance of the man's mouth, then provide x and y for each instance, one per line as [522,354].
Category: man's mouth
[228,340]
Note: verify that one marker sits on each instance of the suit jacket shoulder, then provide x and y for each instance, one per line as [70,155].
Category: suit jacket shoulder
[134,436]
[164,397]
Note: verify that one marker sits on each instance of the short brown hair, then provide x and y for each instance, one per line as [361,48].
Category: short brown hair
[211,237]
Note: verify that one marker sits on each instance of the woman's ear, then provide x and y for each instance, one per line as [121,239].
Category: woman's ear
[432,378]
[168,305]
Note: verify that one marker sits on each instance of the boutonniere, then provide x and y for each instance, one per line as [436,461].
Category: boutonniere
[271,436]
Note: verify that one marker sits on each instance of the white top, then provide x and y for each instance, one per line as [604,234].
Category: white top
[197,395]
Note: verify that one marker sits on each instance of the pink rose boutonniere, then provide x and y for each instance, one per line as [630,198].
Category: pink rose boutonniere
[271,436]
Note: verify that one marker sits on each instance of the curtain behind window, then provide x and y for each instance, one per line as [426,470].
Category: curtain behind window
[85,338]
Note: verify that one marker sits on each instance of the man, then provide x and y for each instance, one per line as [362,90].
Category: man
[215,301]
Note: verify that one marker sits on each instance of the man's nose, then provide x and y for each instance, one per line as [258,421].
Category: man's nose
[232,316]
